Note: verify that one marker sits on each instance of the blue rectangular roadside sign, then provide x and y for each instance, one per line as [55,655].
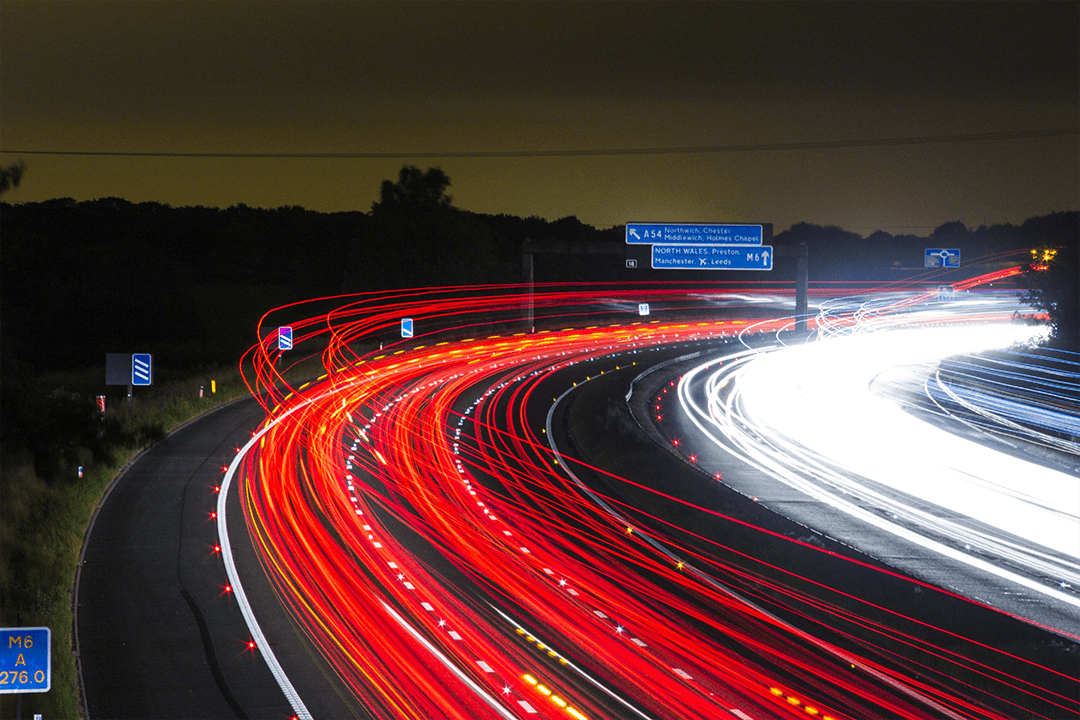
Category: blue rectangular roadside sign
[943,257]
[142,365]
[406,327]
[692,234]
[25,660]
[284,338]
[700,257]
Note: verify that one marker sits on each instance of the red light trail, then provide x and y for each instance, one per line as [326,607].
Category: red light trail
[530,598]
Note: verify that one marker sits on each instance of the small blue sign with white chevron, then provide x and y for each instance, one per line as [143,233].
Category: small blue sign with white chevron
[142,367]
[284,338]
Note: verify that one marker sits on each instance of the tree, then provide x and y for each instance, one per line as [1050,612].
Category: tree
[414,190]
[415,234]
[1052,284]
[954,228]
[10,176]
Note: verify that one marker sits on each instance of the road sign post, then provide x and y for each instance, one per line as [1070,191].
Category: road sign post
[129,369]
[25,660]
[712,246]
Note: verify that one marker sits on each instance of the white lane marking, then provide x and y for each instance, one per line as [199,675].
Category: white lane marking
[480,692]
[238,589]
[574,667]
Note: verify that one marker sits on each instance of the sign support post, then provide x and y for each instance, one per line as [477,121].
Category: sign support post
[129,369]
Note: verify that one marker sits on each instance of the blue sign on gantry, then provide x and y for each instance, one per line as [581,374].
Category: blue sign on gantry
[25,660]
[716,257]
[692,234]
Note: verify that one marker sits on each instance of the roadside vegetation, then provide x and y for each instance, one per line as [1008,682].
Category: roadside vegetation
[53,429]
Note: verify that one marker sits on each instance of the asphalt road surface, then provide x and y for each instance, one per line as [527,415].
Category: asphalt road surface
[329,499]
[158,635]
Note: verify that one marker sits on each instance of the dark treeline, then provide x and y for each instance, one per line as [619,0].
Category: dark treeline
[81,279]
[837,254]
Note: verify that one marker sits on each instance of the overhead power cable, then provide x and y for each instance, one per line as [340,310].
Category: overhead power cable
[688,150]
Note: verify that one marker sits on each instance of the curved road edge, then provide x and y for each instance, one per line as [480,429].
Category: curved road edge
[156,633]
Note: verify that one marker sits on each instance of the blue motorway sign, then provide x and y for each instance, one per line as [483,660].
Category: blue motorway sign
[687,234]
[406,327]
[142,365]
[284,338]
[715,257]
[25,660]
[941,257]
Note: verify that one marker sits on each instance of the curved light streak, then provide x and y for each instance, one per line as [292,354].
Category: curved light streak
[438,435]
[813,416]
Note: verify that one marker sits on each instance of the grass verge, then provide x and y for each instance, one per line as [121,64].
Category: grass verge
[57,465]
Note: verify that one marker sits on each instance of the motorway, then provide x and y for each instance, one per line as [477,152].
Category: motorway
[831,426]
[430,529]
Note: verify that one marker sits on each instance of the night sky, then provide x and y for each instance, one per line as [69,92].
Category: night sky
[771,82]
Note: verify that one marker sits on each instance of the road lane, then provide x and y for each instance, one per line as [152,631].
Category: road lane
[437,434]
[850,476]
[157,635]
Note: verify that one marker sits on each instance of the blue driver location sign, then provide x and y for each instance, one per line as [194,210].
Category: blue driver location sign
[716,257]
[406,327]
[141,369]
[284,338]
[25,660]
[687,234]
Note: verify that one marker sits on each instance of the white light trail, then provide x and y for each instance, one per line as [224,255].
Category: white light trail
[809,416]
